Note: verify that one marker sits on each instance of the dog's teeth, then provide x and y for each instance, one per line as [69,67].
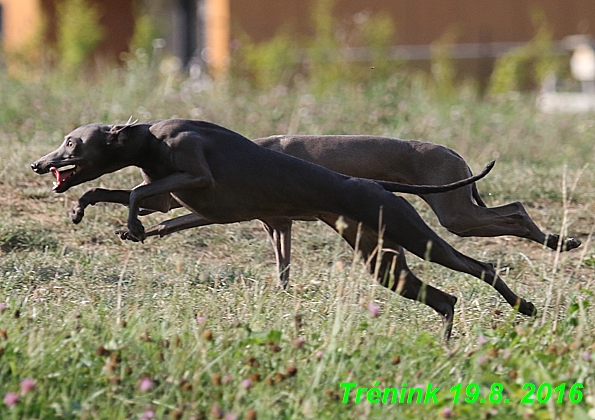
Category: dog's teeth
[67,168]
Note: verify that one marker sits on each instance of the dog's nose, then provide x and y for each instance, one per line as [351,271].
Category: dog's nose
[35,166]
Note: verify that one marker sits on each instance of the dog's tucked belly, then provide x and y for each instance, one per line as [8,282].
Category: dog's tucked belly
[219,208]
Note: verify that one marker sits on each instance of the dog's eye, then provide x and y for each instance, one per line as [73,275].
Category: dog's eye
[70,144]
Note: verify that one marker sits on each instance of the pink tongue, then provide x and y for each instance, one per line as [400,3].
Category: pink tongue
[60,175]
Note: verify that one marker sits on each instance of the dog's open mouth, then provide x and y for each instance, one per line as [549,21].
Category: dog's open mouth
[62,174]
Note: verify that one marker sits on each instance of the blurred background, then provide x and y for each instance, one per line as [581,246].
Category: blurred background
[497,46]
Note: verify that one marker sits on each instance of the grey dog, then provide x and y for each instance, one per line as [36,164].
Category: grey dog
[461,211]
[226,178]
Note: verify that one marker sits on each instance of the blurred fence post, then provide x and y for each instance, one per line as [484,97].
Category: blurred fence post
[185,37]
[1,38]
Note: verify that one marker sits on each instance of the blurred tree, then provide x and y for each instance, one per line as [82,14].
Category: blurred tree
[79,32]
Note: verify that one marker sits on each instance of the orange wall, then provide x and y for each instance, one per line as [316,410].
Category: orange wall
[217,31]
[424,21]
[116,17]
[20,22]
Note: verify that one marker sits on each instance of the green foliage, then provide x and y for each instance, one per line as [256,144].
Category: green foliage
[325,61]
[527,65]
[272,63]
[443,69]
[79,32]
[378,33]
[145,32]
[507,75]
[358,52]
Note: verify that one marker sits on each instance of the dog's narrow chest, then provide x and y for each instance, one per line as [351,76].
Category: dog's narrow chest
[152,175]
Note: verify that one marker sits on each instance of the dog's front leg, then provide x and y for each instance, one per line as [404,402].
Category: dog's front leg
[169,226]
[162,203]
[94,196]
[176,182]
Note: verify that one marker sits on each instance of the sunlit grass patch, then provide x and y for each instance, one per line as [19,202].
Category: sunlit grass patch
[193,326]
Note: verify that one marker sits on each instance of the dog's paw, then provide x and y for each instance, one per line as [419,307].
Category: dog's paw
[526,308]
[571,243]
[136,230]
[447,323]
[567,245]
[76,213]
[125,235]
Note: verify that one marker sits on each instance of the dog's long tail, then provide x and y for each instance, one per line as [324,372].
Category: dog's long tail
[432,189]
[477,197]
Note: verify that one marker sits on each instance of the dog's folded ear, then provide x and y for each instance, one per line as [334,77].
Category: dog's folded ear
[118,134]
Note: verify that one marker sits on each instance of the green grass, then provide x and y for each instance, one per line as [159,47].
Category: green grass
[89,317]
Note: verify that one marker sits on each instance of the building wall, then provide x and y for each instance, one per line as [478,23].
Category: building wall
[483,29]
[217,34]
[117,20]
[20,19]
[423,21]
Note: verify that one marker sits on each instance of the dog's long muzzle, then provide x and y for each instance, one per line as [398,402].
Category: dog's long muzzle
[37,168]
[43,164]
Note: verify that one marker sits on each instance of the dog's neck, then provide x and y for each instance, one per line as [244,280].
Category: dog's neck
[141,149]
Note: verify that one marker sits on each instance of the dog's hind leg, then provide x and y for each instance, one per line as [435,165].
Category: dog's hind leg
[279,230]
[393,272]
[417,237]
[471,219]
[451,258]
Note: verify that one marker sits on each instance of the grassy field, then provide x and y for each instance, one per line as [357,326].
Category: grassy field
[191,326]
